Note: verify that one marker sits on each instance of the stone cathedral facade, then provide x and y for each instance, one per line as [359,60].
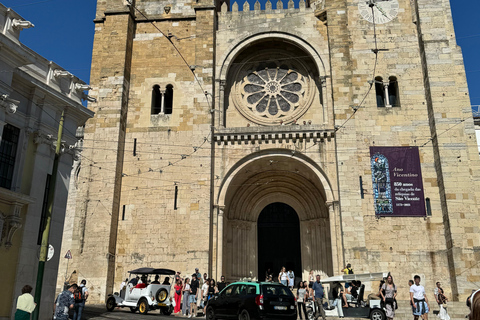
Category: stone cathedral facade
[237,137]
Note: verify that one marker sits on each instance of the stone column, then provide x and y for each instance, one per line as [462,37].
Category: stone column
[335,235]
[387,98]
[221,104]
[162,102]
[221,211]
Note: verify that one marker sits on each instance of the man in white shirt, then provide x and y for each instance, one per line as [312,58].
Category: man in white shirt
[419,300]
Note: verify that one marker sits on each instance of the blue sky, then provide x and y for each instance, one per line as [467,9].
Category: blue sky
[64,33]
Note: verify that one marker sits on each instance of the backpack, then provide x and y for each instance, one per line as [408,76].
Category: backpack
[78,295]
[350,271]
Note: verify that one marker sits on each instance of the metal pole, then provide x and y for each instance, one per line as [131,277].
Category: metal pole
[44,247]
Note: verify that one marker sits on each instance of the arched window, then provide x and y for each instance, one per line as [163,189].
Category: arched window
[168,100]
[156,100]
[382,190]
[380,92]
[393,92]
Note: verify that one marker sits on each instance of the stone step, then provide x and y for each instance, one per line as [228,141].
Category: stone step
[456,311]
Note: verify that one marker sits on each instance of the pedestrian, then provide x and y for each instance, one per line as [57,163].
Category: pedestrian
[441,301]
[222,284]
[318,295]
[311,280]
[347,270]
[201,281]
[419,300]
[473,302]
[283,277]
[63,303]
[178,276]
[291,279]
[204,293]
[193,296]
[410,284]
[302,295]
[268,273]
[440,295]
[123,284]
[178,295]
[212,289]
[25,304]
[80,295]
[199,275]
[186,294]
[389,293]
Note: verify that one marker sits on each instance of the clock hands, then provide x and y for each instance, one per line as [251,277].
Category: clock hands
[373,3]
[382,11]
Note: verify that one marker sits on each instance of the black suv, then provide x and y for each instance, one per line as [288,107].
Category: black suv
[253,300]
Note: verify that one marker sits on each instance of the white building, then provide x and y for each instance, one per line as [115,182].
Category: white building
[33,93]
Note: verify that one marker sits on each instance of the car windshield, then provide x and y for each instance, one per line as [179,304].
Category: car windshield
[276,290]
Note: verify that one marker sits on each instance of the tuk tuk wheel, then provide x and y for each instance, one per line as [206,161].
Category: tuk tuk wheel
[143,306]
[377,314]
[133,309]
[111,304]
[310,315]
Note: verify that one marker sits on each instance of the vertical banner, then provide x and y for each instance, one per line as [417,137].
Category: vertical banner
[397,181]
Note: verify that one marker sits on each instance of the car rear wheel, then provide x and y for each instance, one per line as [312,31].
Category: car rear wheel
[211,314]
[167,311]
[111,304]
[143,306]
[161,295]
[244,315]
[377,314]
[133,309]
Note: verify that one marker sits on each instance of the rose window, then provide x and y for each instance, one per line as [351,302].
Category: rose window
[273,92]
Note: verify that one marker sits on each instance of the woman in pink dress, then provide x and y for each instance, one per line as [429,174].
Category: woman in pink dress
[178,296]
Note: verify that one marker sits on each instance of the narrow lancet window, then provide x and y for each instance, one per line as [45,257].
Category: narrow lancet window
[393,92]
[168,101]
[156,100]
[380,92]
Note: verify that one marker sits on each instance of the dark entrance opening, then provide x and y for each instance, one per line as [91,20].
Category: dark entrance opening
[278,240]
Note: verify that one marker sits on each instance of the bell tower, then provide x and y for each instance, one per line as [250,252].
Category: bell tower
[95,232]
[152,77]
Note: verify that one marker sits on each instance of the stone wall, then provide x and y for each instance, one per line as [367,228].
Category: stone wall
[164,190]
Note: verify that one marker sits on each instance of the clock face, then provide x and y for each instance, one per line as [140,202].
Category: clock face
[383,10]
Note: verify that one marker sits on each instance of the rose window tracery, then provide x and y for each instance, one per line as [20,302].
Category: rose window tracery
[273,92]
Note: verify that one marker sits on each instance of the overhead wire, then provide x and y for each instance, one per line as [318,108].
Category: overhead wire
[355,108]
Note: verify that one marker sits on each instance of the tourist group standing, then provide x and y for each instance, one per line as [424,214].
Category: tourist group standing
[193,293]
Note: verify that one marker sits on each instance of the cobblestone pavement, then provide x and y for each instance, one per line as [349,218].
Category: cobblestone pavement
[95,312]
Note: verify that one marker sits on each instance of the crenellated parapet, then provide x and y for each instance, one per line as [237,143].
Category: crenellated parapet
[277,6]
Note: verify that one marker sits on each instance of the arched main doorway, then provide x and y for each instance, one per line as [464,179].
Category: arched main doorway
[278,236]
[267,178]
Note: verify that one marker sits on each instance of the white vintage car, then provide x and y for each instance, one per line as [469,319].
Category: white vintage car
[151,297]
[370,308]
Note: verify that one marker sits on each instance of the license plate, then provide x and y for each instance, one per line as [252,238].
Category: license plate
[280,308]
[162,304]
